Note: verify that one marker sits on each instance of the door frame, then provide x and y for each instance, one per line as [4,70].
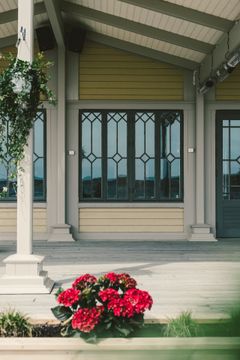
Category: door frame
[219,117]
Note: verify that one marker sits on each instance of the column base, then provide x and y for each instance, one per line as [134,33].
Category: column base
[60,232]
[24,275]
[201,232]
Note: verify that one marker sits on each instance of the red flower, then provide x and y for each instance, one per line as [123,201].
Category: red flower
[84,281]
[140,300]
[108,294]
[121,307]
[86,319]
[127,281]
[68,297]
[112,277]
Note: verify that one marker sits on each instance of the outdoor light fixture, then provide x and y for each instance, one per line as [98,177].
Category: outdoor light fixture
[206,86]
[234,59]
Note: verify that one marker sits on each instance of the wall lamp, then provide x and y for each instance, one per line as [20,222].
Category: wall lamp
[224,70]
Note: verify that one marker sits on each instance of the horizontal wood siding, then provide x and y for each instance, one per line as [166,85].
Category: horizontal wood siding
[130,220]
[8,220]
[229,89]
[107,73]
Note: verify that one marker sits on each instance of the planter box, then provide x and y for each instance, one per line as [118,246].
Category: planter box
[115,349]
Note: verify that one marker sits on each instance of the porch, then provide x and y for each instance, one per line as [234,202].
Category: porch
[201,277]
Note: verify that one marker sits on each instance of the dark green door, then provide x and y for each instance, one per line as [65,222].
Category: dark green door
[228,173]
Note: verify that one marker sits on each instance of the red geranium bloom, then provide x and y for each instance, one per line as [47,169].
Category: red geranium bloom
[108,294]
[68,297]
[84,281]
[86,319]
[112,277]
[140,300]
[127,281]
[121,307]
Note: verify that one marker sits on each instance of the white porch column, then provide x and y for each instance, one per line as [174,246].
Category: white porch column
[61,230]
[24,273]
[200,230]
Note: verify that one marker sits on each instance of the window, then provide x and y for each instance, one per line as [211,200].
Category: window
[131,155]
[39,163]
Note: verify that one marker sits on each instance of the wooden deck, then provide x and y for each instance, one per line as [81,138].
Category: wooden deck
[201,277]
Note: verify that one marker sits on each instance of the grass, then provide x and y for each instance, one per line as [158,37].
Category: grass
[182,326]
[14,324]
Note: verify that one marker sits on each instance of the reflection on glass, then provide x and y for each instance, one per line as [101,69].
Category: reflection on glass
[91,153]
[225,143]
[39,160]
[226,122]
[117,156]
[234,122]
[235,143]
[170,156]
[144,188]
[225,177]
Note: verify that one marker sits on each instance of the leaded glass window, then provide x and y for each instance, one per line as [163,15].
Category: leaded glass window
[39,163]
[131,155]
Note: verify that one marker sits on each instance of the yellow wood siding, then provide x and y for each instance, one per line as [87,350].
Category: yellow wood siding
[131,220]
[110,74]
[8,220]
[229,89]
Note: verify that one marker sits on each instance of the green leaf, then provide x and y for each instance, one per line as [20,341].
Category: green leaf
[62,313]
[91,338]
[123,331]
[59,291]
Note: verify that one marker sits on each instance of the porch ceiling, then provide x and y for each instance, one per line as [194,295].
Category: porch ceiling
[183,32]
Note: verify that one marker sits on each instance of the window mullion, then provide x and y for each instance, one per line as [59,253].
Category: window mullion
[131,157]
[157,156]
[104,155]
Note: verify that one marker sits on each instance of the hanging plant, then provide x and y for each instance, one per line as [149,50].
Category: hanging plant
[23,87]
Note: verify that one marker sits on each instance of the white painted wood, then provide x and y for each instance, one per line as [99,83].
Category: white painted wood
[24,271]
[116,348]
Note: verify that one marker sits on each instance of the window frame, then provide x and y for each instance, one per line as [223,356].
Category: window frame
[130,157]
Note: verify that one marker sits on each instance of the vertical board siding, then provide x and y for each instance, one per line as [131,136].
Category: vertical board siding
[117,220]
[229,89]
[107,73]
[8,220]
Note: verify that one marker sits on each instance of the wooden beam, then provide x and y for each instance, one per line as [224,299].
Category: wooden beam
[184,13]
[8,41]
[12,15]
[55,18]
[143,51]
[138,28]
[225,45]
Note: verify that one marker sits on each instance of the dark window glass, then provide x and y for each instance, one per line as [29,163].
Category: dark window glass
[231,159]
[131,155]
[39,163]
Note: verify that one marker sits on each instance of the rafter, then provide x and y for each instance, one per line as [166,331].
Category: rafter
[136,27]
[225,46]
[184,13]
[12,15]
[8,41]
[143,51]
[55,18]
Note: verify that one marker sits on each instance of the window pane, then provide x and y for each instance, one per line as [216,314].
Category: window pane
[144,188]
[39,162]
[91,154]
[170,156]
[235,143]
[117,156]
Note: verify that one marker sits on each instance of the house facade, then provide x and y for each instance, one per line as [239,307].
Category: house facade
[139,150]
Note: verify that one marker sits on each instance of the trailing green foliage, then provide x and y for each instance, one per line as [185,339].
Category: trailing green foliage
[23,86]
[14,324]
[182,326]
